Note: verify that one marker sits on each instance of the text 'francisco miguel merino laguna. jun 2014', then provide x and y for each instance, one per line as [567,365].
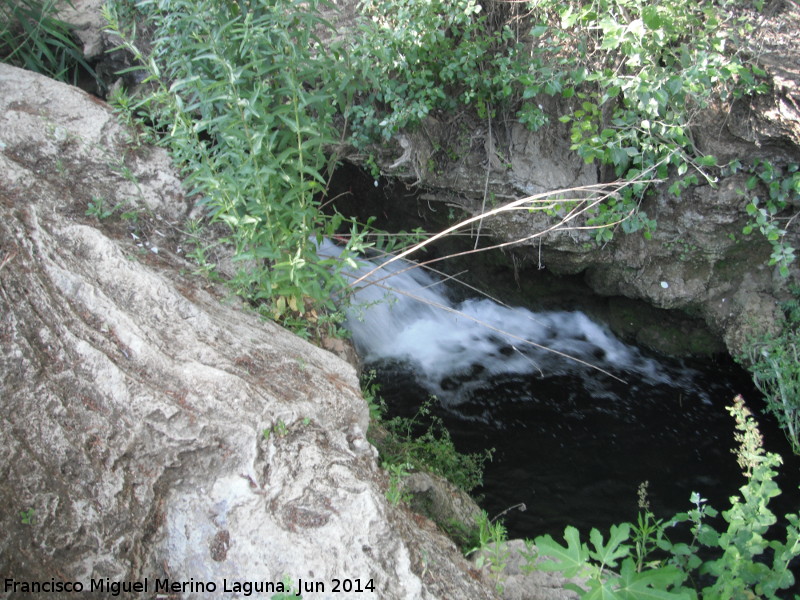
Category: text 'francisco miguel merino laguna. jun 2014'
[106,586]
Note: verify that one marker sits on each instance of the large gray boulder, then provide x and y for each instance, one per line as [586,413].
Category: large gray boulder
[152,428]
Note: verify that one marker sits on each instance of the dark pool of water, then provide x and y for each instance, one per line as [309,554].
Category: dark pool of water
[574,449]
[574,445]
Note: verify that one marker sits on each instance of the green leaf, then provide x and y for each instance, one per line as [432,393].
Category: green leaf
[608,554]
[539,30]
[652,584]
[569,559]
[600,589]
[651,17]
[707,161]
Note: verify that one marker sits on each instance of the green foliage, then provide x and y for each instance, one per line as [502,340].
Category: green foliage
[774,361]
[608,566]
[397,473]
[248,99]
[634,76]
[782,187]
[279,428]
[26,516]
[371,392]
[287,584]
[420,56]
[739,567]
[421,442]
[424,443]
[32,37]
[97,208]
[492,547]
[245,96]
[646,532]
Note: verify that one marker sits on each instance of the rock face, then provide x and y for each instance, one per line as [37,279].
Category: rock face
[86,17]
[152,428]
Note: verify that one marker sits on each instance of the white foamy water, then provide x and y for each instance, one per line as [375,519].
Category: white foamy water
[402,313]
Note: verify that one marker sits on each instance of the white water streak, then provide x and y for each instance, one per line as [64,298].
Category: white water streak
[405,314]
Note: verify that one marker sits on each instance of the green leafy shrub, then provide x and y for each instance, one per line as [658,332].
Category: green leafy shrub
[491,548]
[424,443]
[32,37]
[739,566]
[774,362]
[421,56]
[782,187]
[245,95]
[397,473]
[421,442]
[637,75]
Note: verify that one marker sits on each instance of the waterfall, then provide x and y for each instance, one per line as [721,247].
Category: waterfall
[543,390]
[403,313]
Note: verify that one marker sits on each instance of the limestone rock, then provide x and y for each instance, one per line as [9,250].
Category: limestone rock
[87,18]
[152,428]
[441,501]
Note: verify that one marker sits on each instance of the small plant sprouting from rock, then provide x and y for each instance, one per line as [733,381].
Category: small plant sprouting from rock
[424,443]
[397,473]
[291,595]
[98,208]
[33,38]
[420,443]
[771,190]
[279,428]
[492,549]
[27,516]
